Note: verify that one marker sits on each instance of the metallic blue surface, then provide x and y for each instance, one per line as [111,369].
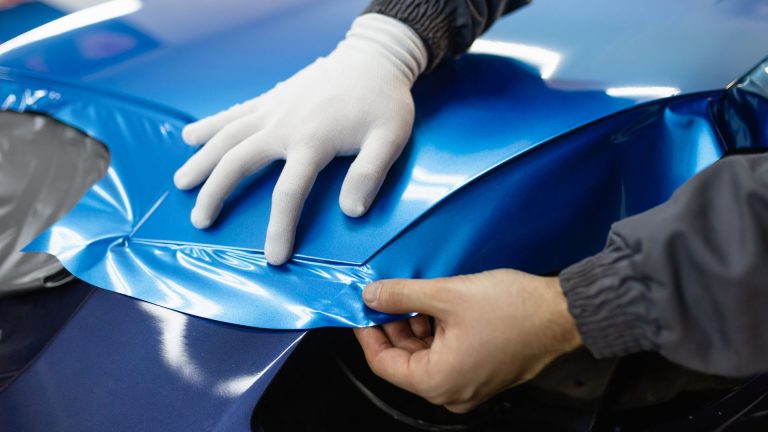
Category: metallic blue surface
[122,364]
[691,45]
[24,17]
[555,204]
[478,118]
[200,56]
[178,53]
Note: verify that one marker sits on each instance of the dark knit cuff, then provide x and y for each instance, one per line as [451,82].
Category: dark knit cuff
[610,303]
[429,19]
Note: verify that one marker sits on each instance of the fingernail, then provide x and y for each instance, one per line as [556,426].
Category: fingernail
[371,293]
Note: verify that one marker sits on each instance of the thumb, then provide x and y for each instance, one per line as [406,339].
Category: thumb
[399,296]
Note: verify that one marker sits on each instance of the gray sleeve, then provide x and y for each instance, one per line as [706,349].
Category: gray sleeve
[447,27]
[688,278]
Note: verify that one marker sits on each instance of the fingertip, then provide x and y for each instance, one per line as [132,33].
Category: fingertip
[358,192]
[352,207]
[276,256]
[200,219]
[191,134]
[372,340]
[371,293]
[182,180]
[402,296]
[276,260]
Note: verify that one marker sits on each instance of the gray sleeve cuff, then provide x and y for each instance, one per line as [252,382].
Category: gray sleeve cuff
[430,20]
[447,27]
[610,303]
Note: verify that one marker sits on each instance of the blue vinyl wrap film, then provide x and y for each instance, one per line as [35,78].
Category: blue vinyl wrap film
[542,134]
[127,233]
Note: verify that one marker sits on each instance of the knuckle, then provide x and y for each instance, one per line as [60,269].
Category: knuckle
[307,134]
[312,158]
[466,395]
[208,199]
[232,109]
[287,194]
[364,169]
[234,164]
[377,370]
[230,132]
[450,289]
[437,398]
[312,135]
[441,296]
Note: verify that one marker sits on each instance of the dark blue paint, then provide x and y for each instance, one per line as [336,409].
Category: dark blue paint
[122,364]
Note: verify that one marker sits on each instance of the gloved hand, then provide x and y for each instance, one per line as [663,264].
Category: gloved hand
[357,100]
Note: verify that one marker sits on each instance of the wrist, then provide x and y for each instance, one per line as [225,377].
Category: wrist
[569,336]
[389,39]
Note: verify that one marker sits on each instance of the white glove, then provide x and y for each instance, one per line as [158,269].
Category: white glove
[357,100]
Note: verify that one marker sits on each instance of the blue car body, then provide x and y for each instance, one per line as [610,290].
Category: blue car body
[564,118]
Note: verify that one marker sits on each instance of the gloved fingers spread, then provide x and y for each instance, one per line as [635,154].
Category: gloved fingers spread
[288,198]
[202,163]
[201,131]
[367,172]
[234,166]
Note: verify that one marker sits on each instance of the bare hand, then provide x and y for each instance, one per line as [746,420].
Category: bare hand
[491,331]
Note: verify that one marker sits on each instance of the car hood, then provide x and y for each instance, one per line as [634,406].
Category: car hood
[131,74]
[554,127]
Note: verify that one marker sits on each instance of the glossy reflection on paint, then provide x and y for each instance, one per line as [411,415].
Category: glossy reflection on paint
[534,96]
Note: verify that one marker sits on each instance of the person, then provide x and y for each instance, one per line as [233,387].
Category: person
[687,279]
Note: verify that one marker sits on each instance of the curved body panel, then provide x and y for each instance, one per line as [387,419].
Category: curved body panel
[475,116]
[200,57]
[549,131]
[148,369]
